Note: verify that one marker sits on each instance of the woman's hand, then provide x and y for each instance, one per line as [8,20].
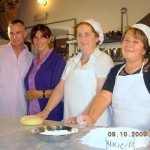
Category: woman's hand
[44,114]
[72,120]
[89,121]
[32,94]
[86,119]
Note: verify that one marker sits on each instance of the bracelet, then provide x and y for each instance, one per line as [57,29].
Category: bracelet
[43,93]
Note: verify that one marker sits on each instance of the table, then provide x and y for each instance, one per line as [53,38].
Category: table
[15,136]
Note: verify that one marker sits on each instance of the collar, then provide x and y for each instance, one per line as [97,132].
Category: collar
[25,49]
[93,55]
[45,57]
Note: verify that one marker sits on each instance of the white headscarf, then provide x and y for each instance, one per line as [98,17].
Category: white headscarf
[145,29]
[97,28]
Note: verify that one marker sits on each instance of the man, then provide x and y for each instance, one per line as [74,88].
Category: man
[15,60]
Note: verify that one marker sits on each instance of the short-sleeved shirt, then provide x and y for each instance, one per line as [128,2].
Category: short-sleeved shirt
[101,66]
[110,81]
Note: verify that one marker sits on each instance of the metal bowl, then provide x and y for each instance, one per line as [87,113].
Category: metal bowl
[114,53]
[37,132]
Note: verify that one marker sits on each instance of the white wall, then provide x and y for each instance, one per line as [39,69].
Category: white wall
[107,12]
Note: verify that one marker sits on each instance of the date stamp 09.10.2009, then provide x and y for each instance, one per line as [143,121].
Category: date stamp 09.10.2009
[128,134]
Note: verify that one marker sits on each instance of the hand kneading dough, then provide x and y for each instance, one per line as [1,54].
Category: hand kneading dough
[31,120]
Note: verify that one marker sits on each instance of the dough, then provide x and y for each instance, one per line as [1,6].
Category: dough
[31,120]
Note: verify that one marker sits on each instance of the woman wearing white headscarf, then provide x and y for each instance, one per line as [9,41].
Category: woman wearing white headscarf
[128,86]
[84,75]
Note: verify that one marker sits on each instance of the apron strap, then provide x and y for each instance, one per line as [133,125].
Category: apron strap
[125,65]
[121,69]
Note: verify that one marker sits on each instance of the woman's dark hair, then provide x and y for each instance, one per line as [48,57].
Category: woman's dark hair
[139,34]
[44,30]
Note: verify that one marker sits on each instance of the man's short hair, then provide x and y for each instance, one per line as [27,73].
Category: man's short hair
[13,22]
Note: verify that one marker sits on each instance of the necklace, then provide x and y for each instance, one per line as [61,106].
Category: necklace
[134,70]
[84,60]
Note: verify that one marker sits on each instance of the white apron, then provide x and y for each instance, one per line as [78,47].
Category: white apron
[79,89]
[131,102]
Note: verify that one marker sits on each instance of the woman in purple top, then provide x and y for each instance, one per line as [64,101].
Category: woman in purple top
[44,73]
